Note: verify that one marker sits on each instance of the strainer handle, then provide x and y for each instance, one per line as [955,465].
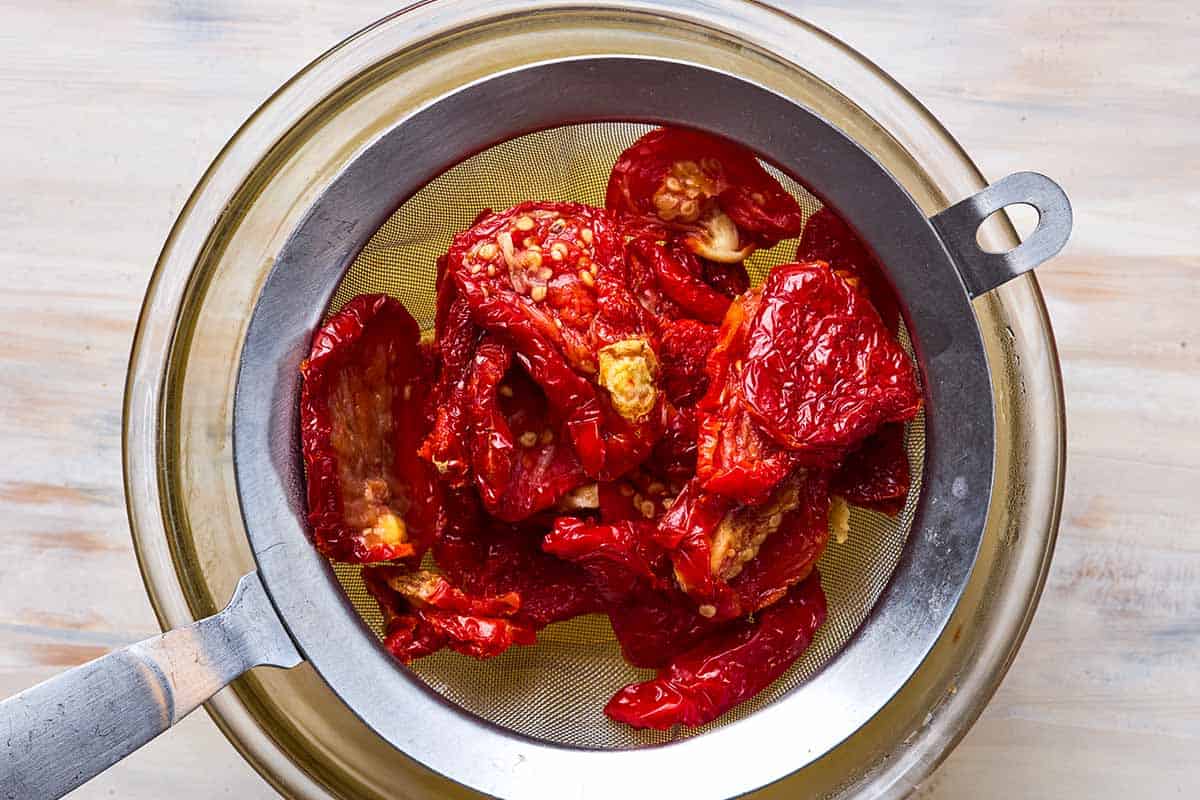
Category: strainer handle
[58,734]
[958,225]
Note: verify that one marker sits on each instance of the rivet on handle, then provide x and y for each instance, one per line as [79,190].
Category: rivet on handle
[982,271]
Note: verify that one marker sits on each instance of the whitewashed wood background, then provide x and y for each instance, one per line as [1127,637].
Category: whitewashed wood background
[110,111]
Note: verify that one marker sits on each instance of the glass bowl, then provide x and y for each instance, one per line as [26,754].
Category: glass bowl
[181,491]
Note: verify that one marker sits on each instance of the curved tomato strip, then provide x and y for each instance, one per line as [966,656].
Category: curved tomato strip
[617,556]
[726,668]
[423,613]
[369,497]
[790,553]
[679,276]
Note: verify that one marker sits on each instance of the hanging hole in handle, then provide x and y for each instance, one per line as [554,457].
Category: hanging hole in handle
[1024,218]
[967,226]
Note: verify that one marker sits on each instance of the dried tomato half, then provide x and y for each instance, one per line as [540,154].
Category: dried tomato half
[370,498]
[734,457]
[712,191]
[551,279]
[447,445]
[523,463]
[674,457]
[727,667]
[828,238]
[653,625]
[797,538]
[423,613]
[876,475]
[821,371]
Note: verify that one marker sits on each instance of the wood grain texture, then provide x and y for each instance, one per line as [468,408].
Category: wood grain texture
[113,110]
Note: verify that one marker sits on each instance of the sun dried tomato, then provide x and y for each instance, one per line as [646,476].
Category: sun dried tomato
[681,278]
[674,457]
[369,497]
[685,349]
[446,446]
[727,667]
[876,475]
[828,238]
[424,613]
[713,192]
[797,538]
[551,279]
[495,558]
[616,556]
[686,531]
[523,463]
[732,559]
[734,457]
[654,624]
[821,372]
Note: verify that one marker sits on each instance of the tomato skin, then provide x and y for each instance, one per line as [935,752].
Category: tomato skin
[617,556]
[726,668]
[551,279]
[369,497]
[789,555]
[706,168]
[686,346]
[876,475]
[680,277]
[828,238]
[821,371]
[522,460]
[418,622]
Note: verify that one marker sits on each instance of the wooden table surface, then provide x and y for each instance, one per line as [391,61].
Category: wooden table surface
[109,112]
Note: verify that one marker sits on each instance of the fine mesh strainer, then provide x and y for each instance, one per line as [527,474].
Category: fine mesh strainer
[518,690]
[528,724]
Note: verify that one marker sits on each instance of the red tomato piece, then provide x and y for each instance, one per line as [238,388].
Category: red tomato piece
[617,556]
[551,279]
[686,346]
[653,625]
[523,462]
[687,531]
[446,446]
[369,497]
[730,280]
[680,278]
[828,238]
[714,192]
[727,667]
[423,613]
[876,475]
[495,559]
[674,457]
[821,372]
[734,457]
[790,552]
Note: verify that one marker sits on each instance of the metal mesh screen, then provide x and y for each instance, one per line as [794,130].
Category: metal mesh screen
[556,690]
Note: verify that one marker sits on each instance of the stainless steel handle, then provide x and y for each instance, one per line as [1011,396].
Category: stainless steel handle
[982,271]
[60,733]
